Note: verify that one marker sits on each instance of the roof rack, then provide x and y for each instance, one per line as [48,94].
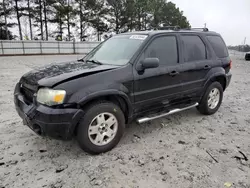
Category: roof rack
[197,28]
[177,28]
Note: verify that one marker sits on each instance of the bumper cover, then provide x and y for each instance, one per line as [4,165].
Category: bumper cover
[46,121]
[228,78]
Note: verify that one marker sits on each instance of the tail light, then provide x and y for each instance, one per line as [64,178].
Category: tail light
[230,64]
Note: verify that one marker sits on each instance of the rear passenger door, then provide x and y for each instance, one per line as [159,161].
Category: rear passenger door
[220,50]
[196,62]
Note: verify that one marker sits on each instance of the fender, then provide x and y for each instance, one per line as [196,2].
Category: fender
[108,92]
[213,73]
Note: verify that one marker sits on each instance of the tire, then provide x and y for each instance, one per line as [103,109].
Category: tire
[207,107]
[97,135]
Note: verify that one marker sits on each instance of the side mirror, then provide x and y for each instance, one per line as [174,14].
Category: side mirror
[149,63]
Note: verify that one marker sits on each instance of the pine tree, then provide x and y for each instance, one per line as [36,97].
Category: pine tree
[18,15]
[45,18]
[172,16]
[27,11]
[141,11]
[130,14]
[30,15]
[4,34]
[5,20]
[156,9]
[38,18]
[83,16]
[48,9]
[70,13]
[97,16]
[120,14]
[57,17]
[64,15]
[102,15]
[6,11]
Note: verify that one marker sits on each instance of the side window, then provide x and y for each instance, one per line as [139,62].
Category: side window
[194,48]
[218,45]
[165,49]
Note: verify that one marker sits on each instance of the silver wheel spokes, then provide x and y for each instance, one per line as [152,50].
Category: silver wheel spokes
[213,98]
[103,129]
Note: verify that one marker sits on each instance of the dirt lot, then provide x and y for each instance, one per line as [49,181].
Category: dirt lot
[168,152]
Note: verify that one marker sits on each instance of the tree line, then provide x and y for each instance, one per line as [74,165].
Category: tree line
[241,48]
[75,19]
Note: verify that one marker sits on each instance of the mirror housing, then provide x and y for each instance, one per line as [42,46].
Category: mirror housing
[149,63]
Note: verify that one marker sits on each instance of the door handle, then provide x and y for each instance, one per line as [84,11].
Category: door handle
[207,67]
[173,73]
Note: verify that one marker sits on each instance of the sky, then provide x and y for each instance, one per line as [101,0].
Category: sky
[230,18]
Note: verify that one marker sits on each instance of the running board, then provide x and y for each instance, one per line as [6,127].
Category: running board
[145,119]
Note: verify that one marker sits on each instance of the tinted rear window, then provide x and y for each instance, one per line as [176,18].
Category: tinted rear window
[218,45]
[194,48]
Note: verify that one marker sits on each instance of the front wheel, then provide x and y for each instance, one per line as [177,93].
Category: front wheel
[212,99]
[101,128]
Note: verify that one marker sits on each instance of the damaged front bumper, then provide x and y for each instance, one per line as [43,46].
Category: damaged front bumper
[57,123]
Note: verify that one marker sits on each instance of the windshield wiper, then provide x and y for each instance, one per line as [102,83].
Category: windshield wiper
[94,61]
[81,60]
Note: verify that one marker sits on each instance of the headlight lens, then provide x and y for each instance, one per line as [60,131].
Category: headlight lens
[50,97]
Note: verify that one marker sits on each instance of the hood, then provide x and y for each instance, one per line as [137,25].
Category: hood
[53,74]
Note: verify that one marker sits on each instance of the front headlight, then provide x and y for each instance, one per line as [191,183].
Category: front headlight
[50,97]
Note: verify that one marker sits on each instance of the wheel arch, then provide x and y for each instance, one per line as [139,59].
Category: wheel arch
[221,79]
[217,77]
[117,97]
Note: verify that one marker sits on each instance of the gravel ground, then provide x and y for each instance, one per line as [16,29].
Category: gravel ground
[168,152]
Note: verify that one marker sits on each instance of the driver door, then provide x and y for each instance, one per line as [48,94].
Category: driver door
[157,87]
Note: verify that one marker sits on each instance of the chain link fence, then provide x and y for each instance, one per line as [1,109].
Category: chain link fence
[12,47]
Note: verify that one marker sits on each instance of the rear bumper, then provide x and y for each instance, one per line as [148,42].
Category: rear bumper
[47,121]
[228,78]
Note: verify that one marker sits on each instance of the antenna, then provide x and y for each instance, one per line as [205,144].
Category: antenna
[245,41]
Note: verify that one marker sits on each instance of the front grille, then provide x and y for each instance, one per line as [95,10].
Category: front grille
[27,93]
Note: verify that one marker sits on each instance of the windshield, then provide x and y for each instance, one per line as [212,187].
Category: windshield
[117,50]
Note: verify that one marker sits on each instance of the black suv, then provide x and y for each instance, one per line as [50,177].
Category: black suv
[141,75]
[247,56]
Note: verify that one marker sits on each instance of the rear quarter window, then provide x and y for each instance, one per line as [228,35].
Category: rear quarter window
[218,45]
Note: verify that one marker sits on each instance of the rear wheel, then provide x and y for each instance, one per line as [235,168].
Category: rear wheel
[101,128]
[212,99]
